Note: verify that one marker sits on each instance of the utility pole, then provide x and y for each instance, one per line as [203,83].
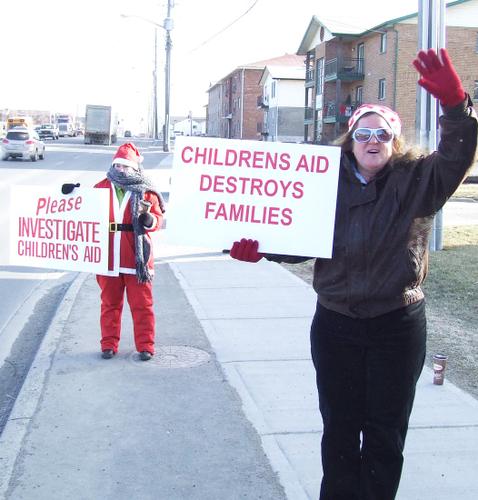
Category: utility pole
[168,26]
[155,86]
[431,35]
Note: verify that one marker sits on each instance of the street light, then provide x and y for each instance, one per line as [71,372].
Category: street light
[167,26]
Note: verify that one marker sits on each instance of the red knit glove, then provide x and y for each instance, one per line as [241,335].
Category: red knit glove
[246,250]
[439,77]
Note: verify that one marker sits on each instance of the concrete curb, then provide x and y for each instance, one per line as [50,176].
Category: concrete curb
[19,317]
[31,392]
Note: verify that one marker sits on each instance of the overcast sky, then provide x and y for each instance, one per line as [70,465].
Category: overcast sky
[63,54]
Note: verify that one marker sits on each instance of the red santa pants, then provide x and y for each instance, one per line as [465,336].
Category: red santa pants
[140,300]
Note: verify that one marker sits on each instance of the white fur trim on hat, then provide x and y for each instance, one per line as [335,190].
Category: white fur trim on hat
[390,116]
[127,154]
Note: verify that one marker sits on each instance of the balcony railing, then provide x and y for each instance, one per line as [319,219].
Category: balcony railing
[309,115]
[263,129]
[346,68]
[262,102]
[309,68]
[309,76]
[338,112]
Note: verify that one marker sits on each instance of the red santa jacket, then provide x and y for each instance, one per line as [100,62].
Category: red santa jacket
[121,243]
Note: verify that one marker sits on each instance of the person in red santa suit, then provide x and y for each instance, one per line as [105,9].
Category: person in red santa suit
[136,209]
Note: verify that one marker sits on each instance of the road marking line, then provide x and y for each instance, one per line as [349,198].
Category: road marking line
[17,275]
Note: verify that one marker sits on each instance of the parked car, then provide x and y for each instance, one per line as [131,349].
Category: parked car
[22,143]
[127,133]
[48,131]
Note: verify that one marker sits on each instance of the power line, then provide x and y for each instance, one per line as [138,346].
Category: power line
[226,27]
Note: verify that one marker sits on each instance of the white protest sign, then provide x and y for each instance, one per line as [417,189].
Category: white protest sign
[283,195]
[56,231]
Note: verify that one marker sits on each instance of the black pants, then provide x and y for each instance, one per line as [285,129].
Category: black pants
[367,370]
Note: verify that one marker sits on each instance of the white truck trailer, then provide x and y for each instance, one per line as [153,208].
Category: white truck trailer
[101,125]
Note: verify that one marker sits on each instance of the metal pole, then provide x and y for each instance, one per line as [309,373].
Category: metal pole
[167,83]
[155,86]
[431,20]
[440,33]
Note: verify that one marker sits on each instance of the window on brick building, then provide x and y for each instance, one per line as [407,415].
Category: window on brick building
[381,88]
[475,90]
[361,57]
[319,85]
[359,96]
[383,43]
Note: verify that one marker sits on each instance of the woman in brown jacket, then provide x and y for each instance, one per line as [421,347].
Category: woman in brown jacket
[368,334]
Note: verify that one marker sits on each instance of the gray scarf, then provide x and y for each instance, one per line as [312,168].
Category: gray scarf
[137,184]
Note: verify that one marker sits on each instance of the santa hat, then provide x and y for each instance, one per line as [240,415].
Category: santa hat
[128,155]
[386,113]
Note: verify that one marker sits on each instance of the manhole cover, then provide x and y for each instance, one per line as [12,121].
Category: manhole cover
[175,356]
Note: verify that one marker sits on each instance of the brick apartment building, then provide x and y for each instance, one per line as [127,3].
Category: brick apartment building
[233,110]
[345,69]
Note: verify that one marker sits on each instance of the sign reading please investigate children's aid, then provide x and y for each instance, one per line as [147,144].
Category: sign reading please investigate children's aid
[51,230]
[283,195]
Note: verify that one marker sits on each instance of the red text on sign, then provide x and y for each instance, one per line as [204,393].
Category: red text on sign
[317,164]
[248,213]
[231,157]
[248,186]
[49,206]
[47,250]
[58,229]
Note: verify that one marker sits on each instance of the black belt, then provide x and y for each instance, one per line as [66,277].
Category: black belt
[120,227]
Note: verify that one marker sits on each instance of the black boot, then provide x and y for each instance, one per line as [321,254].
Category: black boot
[145,356]
[107,354]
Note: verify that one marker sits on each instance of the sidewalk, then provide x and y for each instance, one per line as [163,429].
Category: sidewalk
[227,409]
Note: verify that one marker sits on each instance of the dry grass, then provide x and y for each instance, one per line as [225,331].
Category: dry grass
[451,289]
[467,191]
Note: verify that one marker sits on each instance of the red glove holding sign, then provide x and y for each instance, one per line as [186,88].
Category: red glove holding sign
[439,77]
[246,250]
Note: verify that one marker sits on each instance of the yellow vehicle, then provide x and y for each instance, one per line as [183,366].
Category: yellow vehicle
[19,121]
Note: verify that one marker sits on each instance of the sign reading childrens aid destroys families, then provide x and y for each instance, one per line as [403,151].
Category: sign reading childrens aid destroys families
[56,231]
[281,194]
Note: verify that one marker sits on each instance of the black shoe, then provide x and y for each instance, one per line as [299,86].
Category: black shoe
[107,354]
[145,356]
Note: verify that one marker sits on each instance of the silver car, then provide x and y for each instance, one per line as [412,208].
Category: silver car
[22,143]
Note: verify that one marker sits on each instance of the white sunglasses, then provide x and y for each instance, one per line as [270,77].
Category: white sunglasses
[364,134]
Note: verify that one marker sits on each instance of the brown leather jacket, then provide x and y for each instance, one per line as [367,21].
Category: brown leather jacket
[380,249]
